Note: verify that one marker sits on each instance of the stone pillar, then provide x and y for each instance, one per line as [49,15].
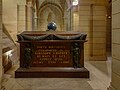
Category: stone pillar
[65,24]
[76,18]
[1,67]
[115,81]
[35,25]
[21,16]
[69,20]
[29,16]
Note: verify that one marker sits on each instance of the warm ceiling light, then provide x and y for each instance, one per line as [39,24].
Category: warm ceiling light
[75,2]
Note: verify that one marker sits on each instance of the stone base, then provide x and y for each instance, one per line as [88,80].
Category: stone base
[96,58]
[52,72]
[111,88]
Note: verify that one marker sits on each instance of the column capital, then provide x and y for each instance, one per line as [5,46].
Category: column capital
[30,5]
[29,0]
[21,2]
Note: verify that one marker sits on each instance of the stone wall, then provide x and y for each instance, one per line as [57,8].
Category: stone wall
[92,20]
[21,16]
[0,42]
[115,45]
[10,17]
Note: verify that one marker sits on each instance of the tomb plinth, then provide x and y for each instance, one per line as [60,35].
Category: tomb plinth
[51,54]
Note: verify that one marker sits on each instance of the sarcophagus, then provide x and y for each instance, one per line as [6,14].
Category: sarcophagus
[51,54]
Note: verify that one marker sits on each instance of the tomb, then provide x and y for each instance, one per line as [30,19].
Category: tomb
[53,54]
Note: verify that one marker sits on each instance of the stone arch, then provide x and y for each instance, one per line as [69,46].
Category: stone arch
[56,12]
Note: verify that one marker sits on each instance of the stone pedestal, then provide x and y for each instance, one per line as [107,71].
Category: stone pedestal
[52,72]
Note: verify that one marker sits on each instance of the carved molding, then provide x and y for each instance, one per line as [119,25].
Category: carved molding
[22,37]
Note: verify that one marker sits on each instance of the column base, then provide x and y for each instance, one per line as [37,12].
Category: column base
[96,58]
[111,88]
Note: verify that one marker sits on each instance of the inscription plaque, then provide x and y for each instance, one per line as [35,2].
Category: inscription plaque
[52,54]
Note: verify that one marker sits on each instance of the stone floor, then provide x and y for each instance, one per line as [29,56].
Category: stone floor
[99,79]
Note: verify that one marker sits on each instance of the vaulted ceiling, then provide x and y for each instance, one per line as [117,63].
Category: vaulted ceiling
[61,3]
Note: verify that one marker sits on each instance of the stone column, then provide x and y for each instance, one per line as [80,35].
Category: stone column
[115,81]
[1,67]
[21,25]
[35,25]
[76,18]
[29,16]
[70,20]
[65,24]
